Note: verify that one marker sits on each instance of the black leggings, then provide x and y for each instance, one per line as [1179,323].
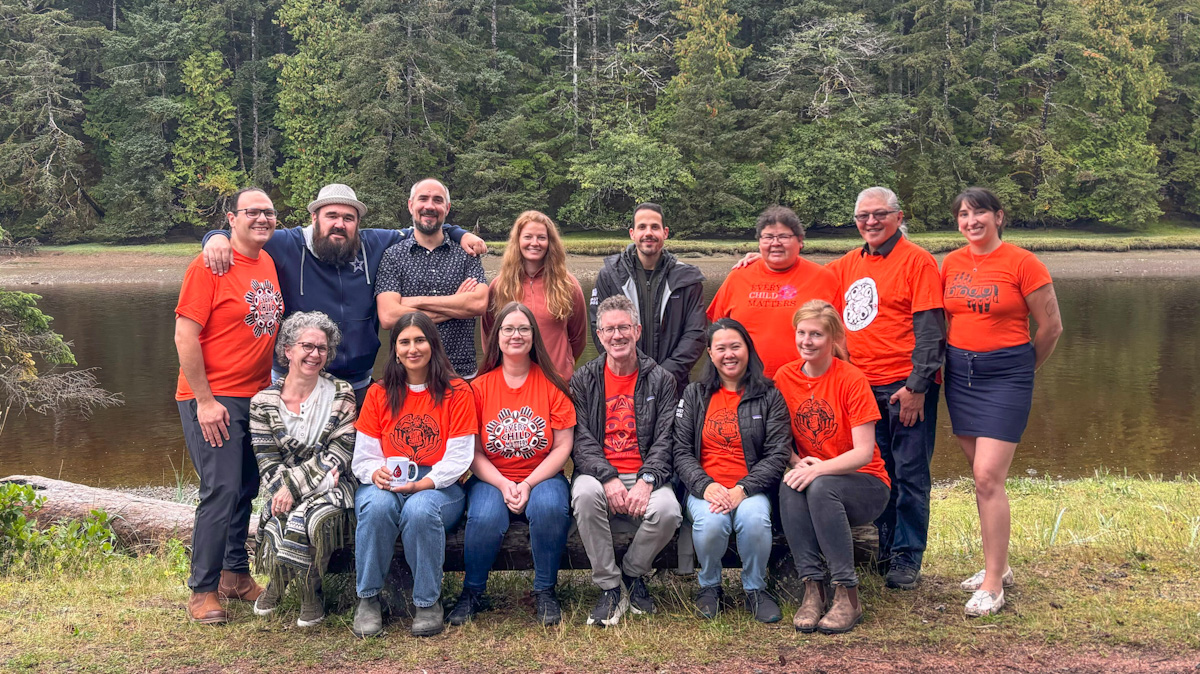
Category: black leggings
[817,522]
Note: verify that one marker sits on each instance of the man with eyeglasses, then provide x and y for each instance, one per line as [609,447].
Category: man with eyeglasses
[331,266]
[764,297]
[667,295]
[624,418]
[225,331]
[895,332]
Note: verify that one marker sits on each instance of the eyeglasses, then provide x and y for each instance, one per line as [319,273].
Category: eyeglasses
[781,238]
[307,347]
[611,330]
[522,330]
[861,218]
[252,213]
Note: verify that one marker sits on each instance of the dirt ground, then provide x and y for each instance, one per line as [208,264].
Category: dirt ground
[57,268]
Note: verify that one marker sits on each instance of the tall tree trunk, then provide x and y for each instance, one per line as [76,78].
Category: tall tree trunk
[495,27]
[254,93]
[114,15]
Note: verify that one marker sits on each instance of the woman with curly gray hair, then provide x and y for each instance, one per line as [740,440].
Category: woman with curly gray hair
[302,429]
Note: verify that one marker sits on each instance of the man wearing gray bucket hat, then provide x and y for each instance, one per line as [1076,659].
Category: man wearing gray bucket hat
[330,266]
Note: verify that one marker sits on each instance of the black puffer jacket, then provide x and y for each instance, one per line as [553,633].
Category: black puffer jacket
[673,320]
[653,405]
[766,431]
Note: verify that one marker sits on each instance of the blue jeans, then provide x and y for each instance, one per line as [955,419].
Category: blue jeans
[907,452]
[548,513]
[751,520]
[421,520]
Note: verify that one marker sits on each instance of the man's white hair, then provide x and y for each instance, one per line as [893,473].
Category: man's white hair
[412,192]
[893,201]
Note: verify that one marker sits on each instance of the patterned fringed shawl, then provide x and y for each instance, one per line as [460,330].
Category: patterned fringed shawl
[321,521]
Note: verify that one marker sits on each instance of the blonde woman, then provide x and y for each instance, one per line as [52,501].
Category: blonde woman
[534,273]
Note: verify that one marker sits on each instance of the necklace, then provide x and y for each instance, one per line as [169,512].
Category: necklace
[977,261]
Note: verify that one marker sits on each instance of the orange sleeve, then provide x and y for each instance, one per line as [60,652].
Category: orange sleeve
[464,420]
[477,394]
[926,284]
[718,307]
[370,419]
[858,400]
[196,295]
[562,410]
[1031,274]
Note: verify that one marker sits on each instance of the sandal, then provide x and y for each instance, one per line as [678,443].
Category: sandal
[975,582]
[984,603]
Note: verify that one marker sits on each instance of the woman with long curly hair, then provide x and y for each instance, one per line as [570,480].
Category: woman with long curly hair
[534,273]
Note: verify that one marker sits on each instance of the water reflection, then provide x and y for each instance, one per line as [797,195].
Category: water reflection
[1119,392]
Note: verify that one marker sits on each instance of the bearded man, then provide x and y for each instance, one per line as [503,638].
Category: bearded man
[331,266]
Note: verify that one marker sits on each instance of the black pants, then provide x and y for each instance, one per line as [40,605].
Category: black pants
[817,522]
[228,484]
[907,452]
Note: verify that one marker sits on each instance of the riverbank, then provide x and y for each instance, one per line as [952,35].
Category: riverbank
[1107,580]
[92,264]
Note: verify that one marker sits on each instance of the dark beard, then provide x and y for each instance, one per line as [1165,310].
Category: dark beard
[338,255]
[428,231]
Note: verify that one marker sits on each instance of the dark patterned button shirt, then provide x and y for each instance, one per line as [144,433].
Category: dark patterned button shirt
[412,270]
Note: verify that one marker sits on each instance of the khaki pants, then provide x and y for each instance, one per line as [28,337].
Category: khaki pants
[593,519]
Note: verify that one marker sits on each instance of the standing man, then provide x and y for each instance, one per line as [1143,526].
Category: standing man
[331,266]
[428,273]
[667,295]
[895,332]
[624,411]
[225,333]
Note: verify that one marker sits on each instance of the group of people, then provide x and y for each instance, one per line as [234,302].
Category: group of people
[816,404]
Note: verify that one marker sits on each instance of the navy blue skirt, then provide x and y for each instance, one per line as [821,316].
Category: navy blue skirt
[989,393]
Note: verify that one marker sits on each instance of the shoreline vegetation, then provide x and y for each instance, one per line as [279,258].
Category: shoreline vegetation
[1108,579]
[826,240]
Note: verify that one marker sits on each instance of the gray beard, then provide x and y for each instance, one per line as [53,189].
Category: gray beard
[428,231]
[338,255]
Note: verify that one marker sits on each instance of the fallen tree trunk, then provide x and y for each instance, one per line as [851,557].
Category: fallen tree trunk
[137,520]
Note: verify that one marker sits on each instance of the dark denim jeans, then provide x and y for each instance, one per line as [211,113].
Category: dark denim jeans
[548,513]
[907,452]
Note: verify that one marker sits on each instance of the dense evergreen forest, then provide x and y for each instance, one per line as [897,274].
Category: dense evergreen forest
[126,120]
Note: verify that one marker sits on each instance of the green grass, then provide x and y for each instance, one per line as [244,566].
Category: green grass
[178,249]
[1105,563]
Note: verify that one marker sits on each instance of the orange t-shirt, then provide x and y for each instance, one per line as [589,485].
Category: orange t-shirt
[985,296]
[721,453]
[620,423]
[239,313]
[517,424]
[764,301]
[824,409]
[420,430]
[881,295]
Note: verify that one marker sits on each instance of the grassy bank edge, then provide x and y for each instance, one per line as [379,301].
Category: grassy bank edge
[1165,237]
[1108,562]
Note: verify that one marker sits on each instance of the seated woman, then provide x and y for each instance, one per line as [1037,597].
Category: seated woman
[302,429]
[423,414]
[527,423]
[534,272]
[837,479]
[732,442]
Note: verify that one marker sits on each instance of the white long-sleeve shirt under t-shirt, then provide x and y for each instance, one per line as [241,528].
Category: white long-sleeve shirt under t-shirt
[460,451]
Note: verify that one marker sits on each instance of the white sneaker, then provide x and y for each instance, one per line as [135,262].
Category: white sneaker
[975,582]
[984,603]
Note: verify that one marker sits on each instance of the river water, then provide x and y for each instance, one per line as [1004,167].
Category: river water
[1120,392]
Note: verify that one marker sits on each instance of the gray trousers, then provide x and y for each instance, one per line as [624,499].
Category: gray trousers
[228,484]
[817,522]
[594,521]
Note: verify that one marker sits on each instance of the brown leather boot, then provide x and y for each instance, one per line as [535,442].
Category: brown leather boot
[204,609]
[239,586]
[812,608]
[845,612]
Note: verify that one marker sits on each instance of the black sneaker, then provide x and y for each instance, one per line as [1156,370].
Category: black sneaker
[708,601]
[640,601]
[546,607]
[903,577]
[469,603]
[762,606]
[609,608]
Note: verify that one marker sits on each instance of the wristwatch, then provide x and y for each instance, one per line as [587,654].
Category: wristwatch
[648,478]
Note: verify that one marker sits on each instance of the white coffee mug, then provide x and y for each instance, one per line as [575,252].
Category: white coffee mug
[402,470]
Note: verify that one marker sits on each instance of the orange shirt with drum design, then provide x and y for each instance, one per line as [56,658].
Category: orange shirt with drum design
[517,425]
[721,453]
[985,296]
[420,429]
[620,423]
